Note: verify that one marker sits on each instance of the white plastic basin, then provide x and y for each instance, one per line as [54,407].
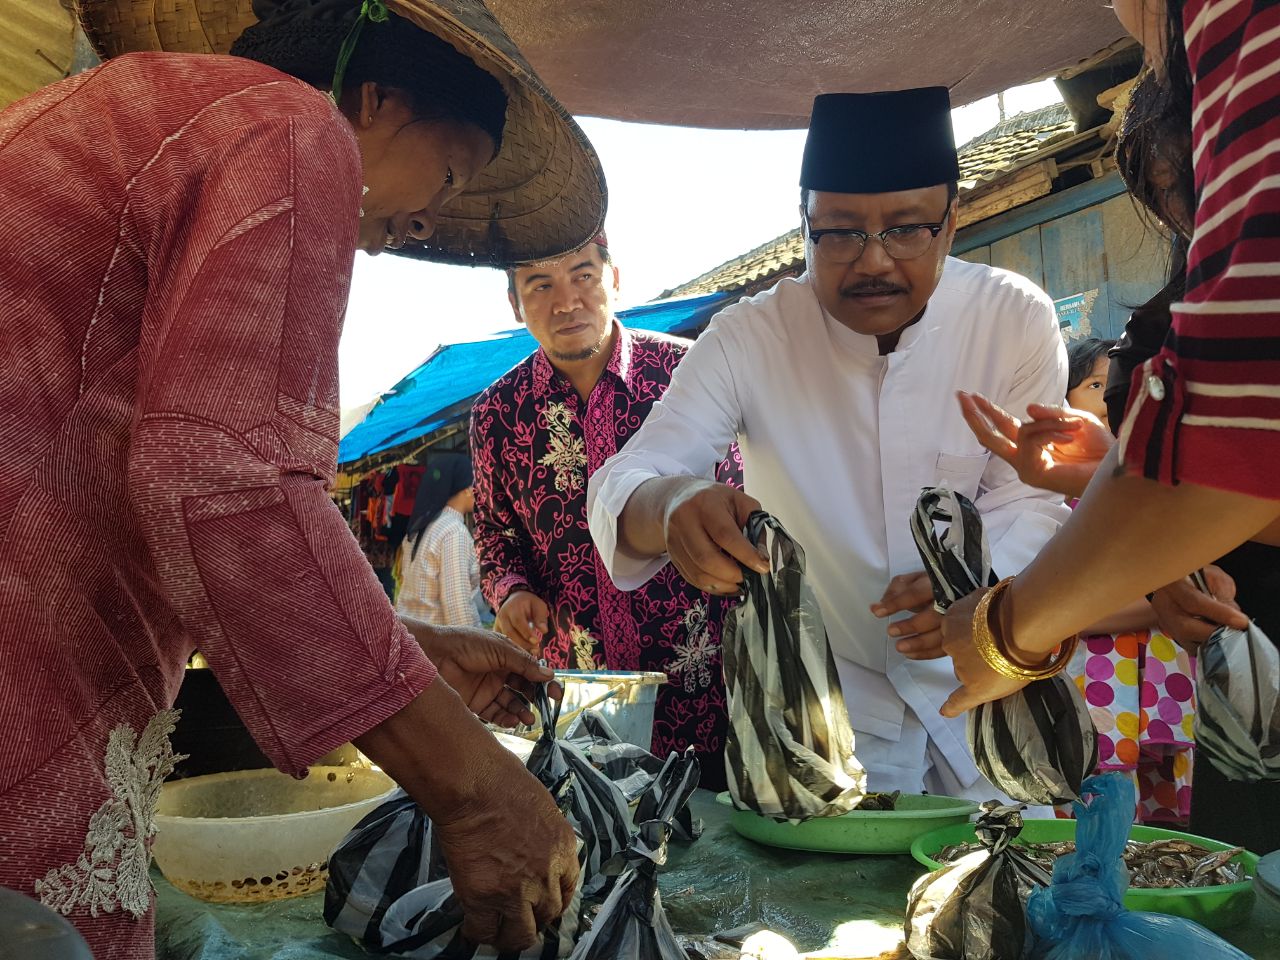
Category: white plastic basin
[255,835]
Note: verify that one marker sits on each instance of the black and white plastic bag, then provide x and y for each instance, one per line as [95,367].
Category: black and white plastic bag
[389,888]
[1039,744]
[1237,720]
[789,747]
[596,807]
[389,885]
[632,925]
[976,908]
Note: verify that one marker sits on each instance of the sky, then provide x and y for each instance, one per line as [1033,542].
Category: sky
[681,201]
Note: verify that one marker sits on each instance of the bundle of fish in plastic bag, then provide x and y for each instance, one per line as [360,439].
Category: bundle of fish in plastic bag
[1237,722]
[789,747]
[1081,913]
[389,885]
[975,909]
[1037,745]
[631,925]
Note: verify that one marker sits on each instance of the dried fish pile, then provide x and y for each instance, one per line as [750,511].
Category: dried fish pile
[1155,865]
[880,801]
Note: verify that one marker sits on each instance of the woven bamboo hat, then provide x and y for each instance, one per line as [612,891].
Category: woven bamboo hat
[542,196]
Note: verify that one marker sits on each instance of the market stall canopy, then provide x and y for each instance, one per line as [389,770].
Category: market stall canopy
[440,391]
[759,63]
[741,64]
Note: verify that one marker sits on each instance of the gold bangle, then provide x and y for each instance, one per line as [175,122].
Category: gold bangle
[997,658]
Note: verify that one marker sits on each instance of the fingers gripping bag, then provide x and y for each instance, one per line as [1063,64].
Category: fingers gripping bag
[789,747]
[389,888]
[389,885]
[632,924]
[1081,913]
[1237,720]
[976,908]
[1037,745]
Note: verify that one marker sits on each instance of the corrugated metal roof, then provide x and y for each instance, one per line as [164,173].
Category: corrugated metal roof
[37,46]
[982,160]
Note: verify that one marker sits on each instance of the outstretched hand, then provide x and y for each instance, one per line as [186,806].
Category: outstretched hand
[1056,448]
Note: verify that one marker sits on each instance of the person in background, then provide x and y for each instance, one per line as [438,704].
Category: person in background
[1196,464]
[439,575]
[537,435]
[1154,157]
[170,339]
[839,385]
[1137,682]
[1087,366]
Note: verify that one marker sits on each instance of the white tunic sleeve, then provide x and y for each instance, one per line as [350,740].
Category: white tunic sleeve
[687,433]
[1019,519]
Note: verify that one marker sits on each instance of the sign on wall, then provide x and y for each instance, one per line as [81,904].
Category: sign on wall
[1074,314]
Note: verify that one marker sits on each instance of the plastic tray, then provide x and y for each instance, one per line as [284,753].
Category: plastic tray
[860,831]
[1218,908]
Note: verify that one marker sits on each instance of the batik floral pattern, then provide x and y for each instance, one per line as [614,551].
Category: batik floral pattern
[534,443]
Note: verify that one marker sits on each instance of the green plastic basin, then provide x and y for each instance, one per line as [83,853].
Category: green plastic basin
[860,831]
[1218,908]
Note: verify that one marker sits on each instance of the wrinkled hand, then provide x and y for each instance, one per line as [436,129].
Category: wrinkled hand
[513,863]
[1190,617]
[703,532]
[493,676]
[978,682]
[526,619]
[921,634]
[1057,448]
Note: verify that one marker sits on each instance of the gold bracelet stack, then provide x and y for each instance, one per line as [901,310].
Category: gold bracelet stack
[997,658]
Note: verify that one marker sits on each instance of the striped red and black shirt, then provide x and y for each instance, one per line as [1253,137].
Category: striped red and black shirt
[1206,410]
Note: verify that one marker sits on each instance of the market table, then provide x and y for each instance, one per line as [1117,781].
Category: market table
[718,883]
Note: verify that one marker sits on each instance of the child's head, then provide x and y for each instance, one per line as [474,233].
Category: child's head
[1087,375]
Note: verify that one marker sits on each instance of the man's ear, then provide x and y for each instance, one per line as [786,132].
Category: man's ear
[617,279]
[515,307]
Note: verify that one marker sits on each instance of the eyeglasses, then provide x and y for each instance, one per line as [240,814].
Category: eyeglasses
[905,242]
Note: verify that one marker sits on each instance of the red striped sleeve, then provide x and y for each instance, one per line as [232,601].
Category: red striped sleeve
[1207,409]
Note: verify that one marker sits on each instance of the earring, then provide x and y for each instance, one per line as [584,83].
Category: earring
[364,193]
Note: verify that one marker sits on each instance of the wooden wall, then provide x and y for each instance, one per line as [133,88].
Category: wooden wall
[1105,252]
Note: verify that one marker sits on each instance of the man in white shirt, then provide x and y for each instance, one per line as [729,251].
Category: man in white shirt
[839,387]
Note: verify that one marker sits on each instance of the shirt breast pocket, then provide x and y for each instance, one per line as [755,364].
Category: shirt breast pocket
[961,472]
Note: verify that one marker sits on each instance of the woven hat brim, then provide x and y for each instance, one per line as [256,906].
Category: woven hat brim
[542,196]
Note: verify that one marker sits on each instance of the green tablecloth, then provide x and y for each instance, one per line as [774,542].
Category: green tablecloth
[720,882]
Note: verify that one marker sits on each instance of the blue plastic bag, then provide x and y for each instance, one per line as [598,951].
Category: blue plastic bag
[1082,913]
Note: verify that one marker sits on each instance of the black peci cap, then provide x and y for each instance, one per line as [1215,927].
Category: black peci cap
[880,142]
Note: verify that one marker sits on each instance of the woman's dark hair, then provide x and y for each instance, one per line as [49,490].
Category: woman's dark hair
[1154,149]
[1082,354]
[446,474]
[302,38]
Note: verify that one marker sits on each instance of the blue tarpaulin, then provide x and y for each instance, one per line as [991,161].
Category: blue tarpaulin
[429,397]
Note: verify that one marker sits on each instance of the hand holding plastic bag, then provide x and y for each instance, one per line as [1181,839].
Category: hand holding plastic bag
[1037,745]
[1082,913]
[1237,721]
[789,747]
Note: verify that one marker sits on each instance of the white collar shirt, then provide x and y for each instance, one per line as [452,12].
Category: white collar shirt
[837,442]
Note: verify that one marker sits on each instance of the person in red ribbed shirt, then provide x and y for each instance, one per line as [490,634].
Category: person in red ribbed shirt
[177,234]
[1199,454]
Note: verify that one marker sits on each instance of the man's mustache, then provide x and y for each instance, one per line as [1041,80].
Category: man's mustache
[869,287]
